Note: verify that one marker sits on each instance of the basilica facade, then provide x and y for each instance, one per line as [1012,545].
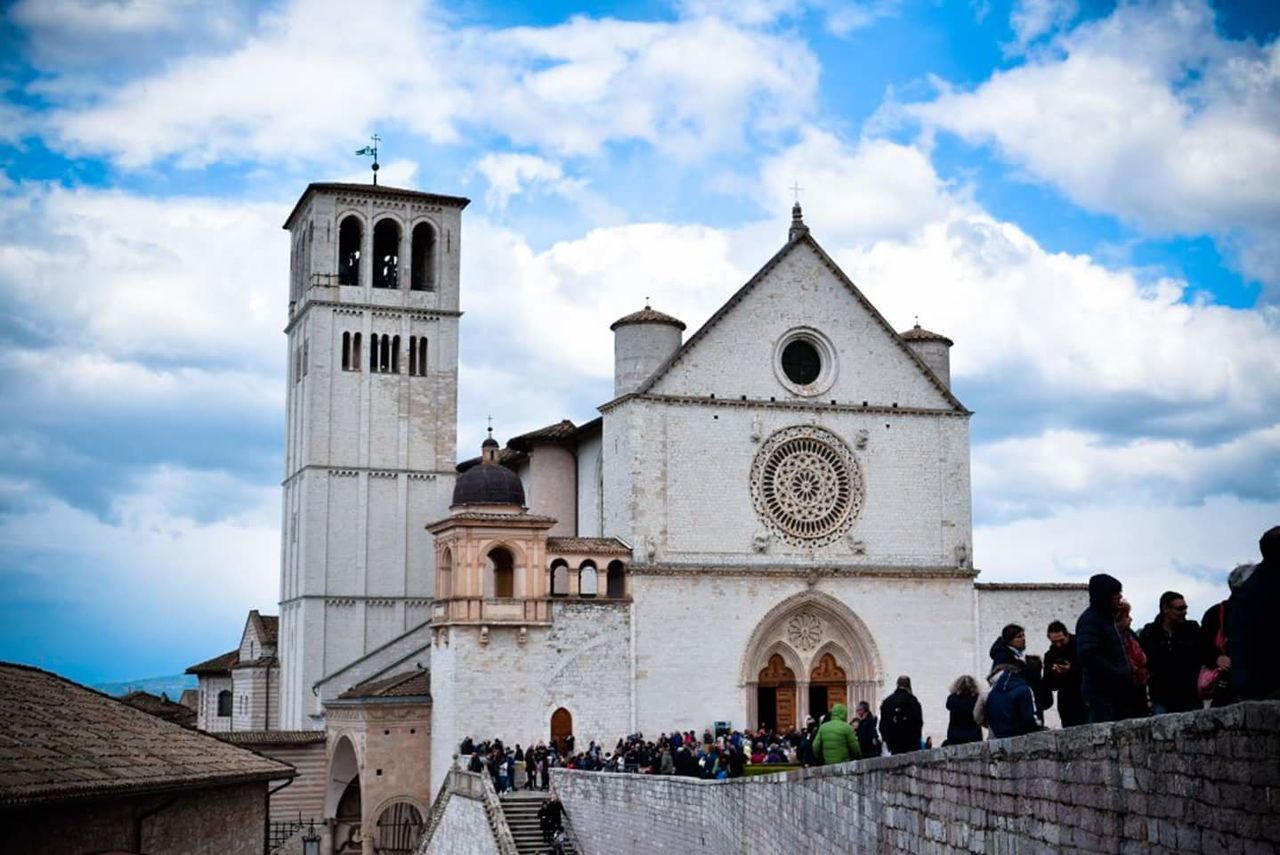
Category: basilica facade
[768,517]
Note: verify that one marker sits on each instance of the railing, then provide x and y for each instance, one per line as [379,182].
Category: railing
[491,610]
[478,787]
[279,833]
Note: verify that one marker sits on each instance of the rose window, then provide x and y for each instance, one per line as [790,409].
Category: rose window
[806,486]
[805,630]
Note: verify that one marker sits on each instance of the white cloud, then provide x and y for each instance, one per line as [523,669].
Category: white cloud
[314,77]
[509,174]
[1031,19]
[109,272]
[1148,114]
[840,17]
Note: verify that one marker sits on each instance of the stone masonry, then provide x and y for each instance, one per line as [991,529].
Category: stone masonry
[1206,781]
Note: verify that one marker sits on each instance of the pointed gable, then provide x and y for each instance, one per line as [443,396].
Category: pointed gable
[737,351]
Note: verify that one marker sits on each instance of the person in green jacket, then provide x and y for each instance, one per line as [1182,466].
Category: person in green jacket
[836,741]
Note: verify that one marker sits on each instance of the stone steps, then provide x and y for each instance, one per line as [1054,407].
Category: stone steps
[521,812]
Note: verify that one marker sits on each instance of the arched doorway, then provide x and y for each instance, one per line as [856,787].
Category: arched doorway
[804,630]
[561,729]
[398,830]
[343,805]
[776,695]
[828,686]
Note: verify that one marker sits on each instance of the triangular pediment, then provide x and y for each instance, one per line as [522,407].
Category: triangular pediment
[801,292]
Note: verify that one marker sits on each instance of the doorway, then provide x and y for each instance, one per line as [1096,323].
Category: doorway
[561,729]
[776,695]
[828,686]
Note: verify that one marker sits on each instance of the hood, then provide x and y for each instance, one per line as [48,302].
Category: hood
[1007,681]
[840,712]
[1101,589]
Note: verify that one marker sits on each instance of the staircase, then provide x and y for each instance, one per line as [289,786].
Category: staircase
[521,811]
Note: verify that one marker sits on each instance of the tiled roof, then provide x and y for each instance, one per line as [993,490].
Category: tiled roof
[561,431]
[260,662]
[407,685]
[647,316]
[60,740]
[190,698]
[217,665]
[918,334]
[608,545]
[161,707]
[272,737]
[507,457]
[268,626]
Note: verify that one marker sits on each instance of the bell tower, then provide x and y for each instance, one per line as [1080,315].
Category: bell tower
[371,423]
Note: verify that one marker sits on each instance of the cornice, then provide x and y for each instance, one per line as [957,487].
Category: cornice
[811,572]
[309,303]
[378,471]
[804,406]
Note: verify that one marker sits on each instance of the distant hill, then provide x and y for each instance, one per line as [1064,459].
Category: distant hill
[171,686]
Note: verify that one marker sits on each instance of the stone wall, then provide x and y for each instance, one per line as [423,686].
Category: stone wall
[210,821]
[1207,781]
[466,819]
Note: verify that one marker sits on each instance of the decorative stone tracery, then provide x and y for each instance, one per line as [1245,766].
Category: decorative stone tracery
[807,486]
[804,630]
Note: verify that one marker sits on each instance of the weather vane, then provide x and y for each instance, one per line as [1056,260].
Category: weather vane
[372,151]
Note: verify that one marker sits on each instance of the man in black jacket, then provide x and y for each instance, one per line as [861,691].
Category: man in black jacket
[1170,642]
[1062,674]
[1105,680]
[901,719]
[868,736]
[1252,610]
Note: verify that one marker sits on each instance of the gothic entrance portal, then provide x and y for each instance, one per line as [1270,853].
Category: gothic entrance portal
[776,695]
[807,654]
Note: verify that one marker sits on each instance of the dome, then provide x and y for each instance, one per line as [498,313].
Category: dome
[918,334]
[488,482]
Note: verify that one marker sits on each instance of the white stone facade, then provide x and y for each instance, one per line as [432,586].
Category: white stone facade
[792,485]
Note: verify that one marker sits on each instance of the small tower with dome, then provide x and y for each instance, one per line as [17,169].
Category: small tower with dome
[642,342]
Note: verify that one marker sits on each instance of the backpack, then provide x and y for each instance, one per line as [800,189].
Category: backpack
[980,710]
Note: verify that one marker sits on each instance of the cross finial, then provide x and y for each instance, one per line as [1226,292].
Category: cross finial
[490,427]
[646,302]
[796,189]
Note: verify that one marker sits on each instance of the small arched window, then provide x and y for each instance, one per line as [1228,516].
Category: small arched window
[417,356]
[350,236]
[503,573]
[559,578]
[588,580]
[616,581]
[346,351]
[395,354]
[422,275]
[355,352]
[386,254]
[224,703]
[445,585]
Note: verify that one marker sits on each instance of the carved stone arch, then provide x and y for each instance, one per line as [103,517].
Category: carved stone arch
[401,797]
[808,625]
[343,766]
[861,645]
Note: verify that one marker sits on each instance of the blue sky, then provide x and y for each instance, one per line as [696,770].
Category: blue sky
[1082,195]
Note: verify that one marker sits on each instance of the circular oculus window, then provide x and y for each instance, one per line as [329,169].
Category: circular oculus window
[804,362]
[807,486]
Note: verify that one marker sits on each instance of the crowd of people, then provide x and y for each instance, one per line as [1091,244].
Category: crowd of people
[1103,672]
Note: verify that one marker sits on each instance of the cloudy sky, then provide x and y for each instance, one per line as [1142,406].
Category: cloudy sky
[1085,196]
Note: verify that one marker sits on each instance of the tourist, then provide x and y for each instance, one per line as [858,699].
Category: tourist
[1253,609]
[544,772]
[1135,701]
[868,733]
[1215,645]
[1105,678]
[1010,708]
[901,719]
[1062,674]
[836,741]
[1011,646]
[667,763]
[467,747]
[1033,674]
[1171,644]
[551,818]
[530,768]
[962,728]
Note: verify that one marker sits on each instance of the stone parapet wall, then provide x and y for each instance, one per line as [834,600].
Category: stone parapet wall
[1206,781]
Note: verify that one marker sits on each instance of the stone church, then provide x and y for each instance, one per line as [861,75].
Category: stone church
[768,517]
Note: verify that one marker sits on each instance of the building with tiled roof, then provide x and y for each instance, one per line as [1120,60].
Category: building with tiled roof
[109,776]
[239,689]
[161,706]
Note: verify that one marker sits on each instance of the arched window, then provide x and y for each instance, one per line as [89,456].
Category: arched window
[355,352]
[386,254]
[384,354]
[445,586]
[503,571]
[395,354]
[616,581]
[588,579]
[417,356]
[224,703]
[350,236]
[346,351]
[422,275]
[559,578]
